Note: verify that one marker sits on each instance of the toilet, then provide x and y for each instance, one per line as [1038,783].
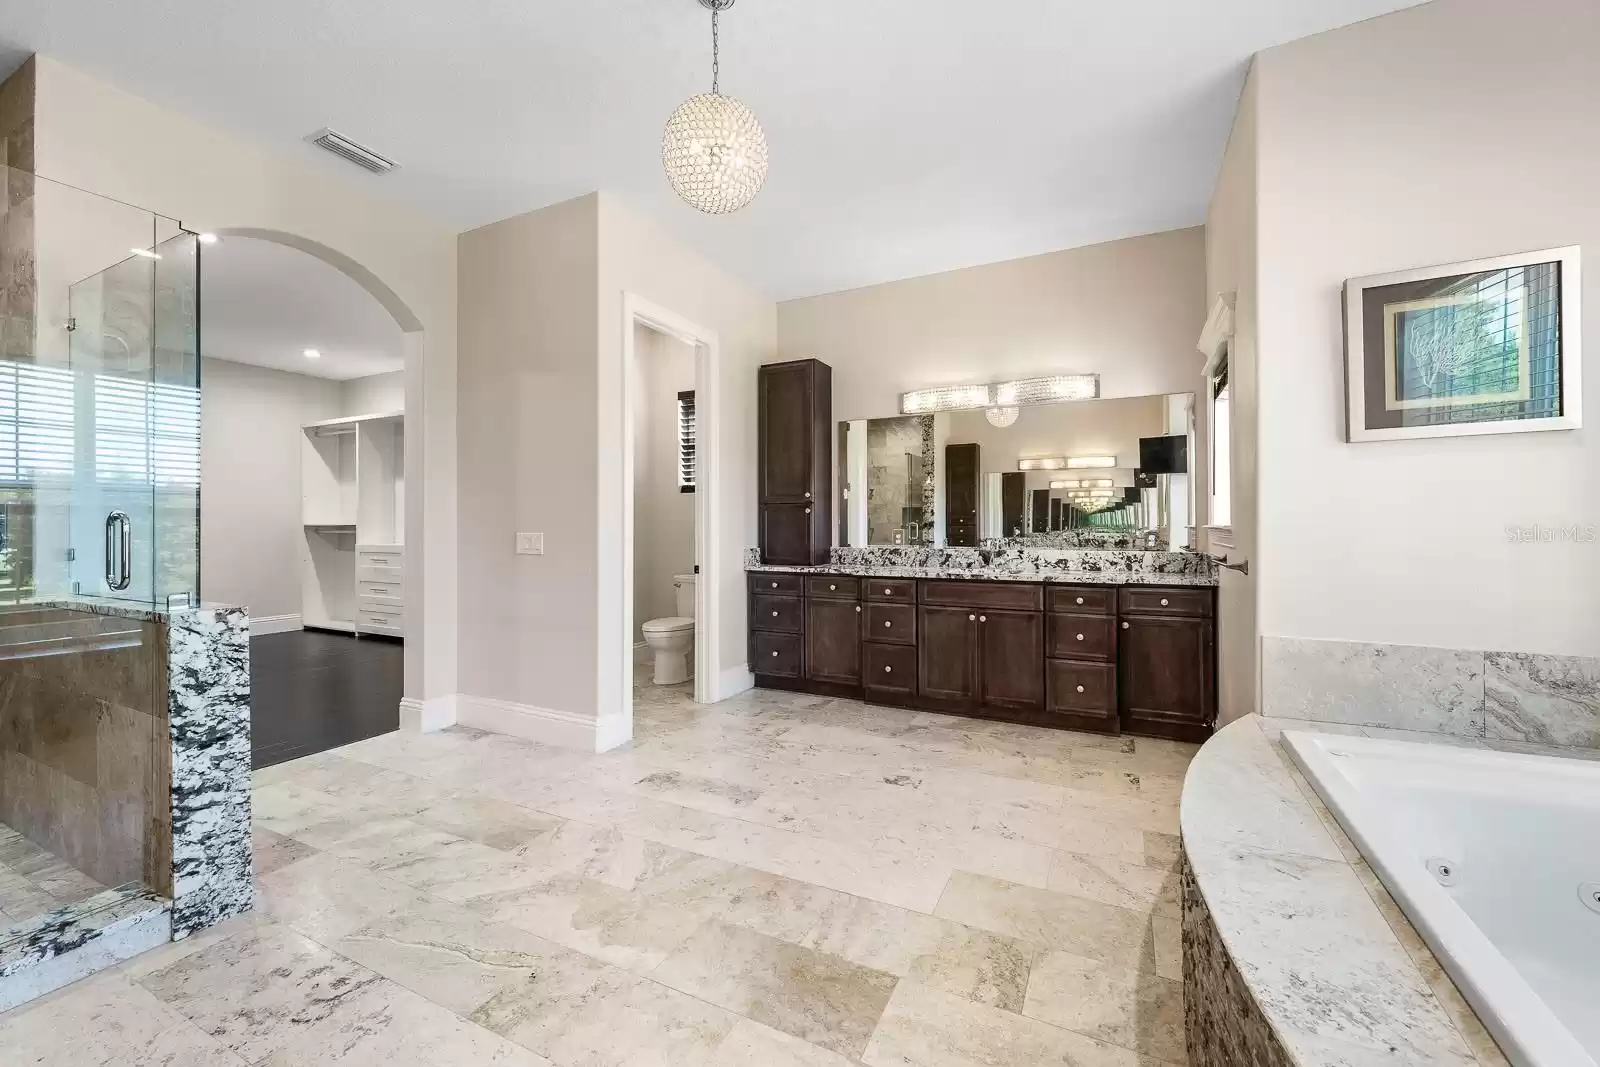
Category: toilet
[672,638]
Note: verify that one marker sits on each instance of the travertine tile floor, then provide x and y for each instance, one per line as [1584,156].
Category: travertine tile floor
[779,880]
[34,880]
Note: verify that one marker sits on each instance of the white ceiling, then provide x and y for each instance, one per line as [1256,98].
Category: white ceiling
[265,304]
[907,136]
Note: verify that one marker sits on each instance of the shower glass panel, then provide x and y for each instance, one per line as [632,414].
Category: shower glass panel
[99,511]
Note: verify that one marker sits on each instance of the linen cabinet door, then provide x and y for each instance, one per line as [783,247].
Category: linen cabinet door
[1011,648]
[833,641]
[947,659]
[1167,676]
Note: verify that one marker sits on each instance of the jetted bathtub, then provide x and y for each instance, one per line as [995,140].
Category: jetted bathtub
[1495,858]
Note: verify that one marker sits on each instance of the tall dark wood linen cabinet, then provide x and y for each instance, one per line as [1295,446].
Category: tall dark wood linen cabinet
[795,462]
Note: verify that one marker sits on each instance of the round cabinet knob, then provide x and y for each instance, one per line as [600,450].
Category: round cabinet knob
[858,609]
[888,625]
[1124,626]
[1163,601]
[888,670]
[774,655]
[1080,637]
[808,496]
[1080,600]
[774,614]
[972,618]
[888,592]
[774,585]
[808,511]
[833,588]
[983,618]
[1080,688]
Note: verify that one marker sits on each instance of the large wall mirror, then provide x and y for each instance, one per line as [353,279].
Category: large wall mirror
[1083,474]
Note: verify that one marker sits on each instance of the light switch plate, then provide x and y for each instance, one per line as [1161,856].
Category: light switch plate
[530,544]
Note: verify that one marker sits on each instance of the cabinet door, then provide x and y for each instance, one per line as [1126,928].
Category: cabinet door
[1167,676]
[833,641]
[785,421]
[1011,645]
[961,495]
[786,534]
[947,654]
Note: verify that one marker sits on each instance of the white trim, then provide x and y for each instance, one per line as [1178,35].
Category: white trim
[732,682]
[261,625]
[544,725]
[707,536]
[1571,417]
[426,717]
[1218,329]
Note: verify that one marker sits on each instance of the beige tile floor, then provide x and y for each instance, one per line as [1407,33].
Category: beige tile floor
[778,880]
[34,880]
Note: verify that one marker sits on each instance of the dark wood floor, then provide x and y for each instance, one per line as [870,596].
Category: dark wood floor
[310,692]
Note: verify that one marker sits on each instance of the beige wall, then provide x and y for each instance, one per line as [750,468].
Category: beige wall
[251,538]
[638,257]
[99,138]
[663,515]
[527,449]
[374,394]
[1127,310]
[1454,130]
[1231,270]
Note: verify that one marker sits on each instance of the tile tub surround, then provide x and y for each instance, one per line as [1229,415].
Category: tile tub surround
[774,881]
[1510,697]
[1088,566]
[1293,951]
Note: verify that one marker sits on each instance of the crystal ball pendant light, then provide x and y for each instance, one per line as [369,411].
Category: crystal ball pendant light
[714,151]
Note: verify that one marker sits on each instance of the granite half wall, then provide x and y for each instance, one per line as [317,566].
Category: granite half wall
[1506,697]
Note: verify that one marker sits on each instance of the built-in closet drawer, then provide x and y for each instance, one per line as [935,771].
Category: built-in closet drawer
[379,605]
[371,622]
[381,575]
[380,556]
[392,591]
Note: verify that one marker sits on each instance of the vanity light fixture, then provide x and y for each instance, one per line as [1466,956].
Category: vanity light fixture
[1084,462]
[714,150]
[1084,483]
[1045,463]
[1046,390]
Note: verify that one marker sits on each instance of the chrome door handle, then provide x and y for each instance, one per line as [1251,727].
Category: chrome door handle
[119,550]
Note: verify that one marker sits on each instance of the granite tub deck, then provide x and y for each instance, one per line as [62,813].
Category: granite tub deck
[206,872]
[1080,566]
[1294,952]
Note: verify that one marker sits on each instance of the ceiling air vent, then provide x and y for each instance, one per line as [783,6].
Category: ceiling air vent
[360,155]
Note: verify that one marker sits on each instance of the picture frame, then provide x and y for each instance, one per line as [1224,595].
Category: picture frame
[1484,346]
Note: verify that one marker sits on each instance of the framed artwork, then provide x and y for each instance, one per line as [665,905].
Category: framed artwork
[1486,346]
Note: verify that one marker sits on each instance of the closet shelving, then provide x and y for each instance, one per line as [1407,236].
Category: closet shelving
[353,495]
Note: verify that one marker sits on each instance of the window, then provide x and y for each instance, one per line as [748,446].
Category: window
[36,423]
[146,432]
[686,467]
[1221,446]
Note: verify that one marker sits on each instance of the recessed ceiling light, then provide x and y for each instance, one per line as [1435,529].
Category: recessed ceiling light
[312,353]
[207,238]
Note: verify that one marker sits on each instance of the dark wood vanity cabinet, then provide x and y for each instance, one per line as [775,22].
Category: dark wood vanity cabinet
[961,495]
[1135,659]
[794,462]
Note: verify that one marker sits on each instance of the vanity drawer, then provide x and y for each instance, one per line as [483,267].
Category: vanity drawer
[1081,599]
[1081,637]
[833,587]
[379,605]
[380,556]
[778,584]
[889,670]
[776,654]
[387,590]
[1165,600]
[778,614]
[894,590]
[895,624]
[1002,596]
[1071,686]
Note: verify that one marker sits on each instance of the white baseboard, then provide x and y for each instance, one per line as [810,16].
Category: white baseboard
[732,682]
[544,725]
[427,716]
[260,625]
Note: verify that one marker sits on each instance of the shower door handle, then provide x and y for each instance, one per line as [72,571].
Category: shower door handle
[119,550]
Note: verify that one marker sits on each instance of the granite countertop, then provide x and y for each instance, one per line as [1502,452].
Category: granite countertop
[1327,955]
[1070,566]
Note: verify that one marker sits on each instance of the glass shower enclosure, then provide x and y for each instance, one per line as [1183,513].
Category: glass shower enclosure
[99,526]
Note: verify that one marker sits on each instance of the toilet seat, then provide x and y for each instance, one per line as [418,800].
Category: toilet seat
[670,625]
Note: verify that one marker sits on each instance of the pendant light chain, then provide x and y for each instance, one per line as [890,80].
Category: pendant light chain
[716,53]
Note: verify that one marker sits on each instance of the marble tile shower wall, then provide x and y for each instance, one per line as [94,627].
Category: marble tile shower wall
[1506,697]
